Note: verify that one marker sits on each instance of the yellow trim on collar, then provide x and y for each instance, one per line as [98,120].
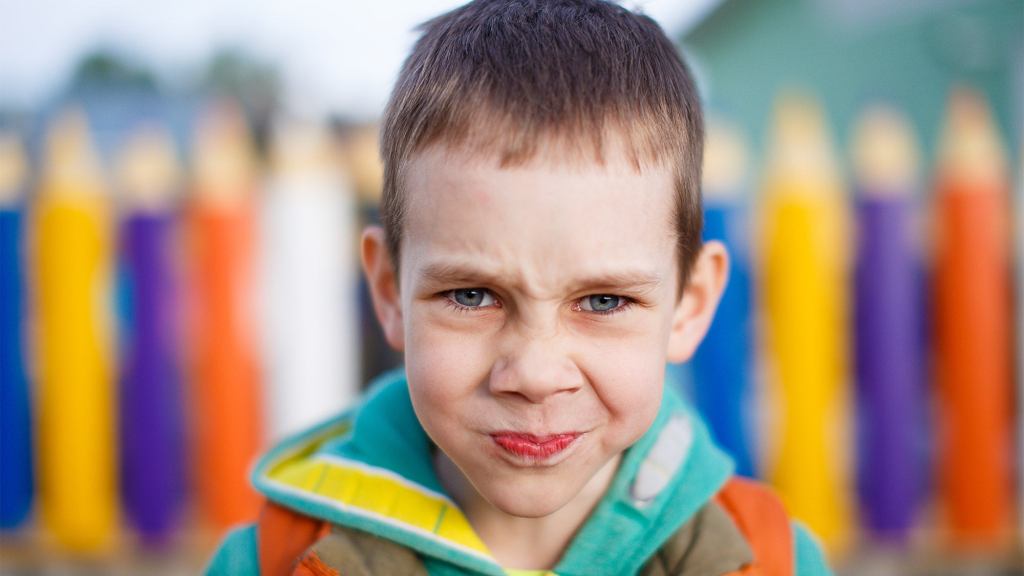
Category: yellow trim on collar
[380,493]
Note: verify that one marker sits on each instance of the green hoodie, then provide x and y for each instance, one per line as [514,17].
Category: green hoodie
[370,469]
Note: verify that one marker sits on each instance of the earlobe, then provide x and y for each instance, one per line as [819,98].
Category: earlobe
[696,309]
[383,282]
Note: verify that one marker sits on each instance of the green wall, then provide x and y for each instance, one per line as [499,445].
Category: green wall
[909,54]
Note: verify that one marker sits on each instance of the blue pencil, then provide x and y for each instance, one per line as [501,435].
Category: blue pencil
[16,475]
[722,365]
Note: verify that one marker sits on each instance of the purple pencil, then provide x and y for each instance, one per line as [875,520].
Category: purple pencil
[152,431]
[888,347]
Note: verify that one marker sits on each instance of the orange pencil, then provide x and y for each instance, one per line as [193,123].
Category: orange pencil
[973,326]
[227,404]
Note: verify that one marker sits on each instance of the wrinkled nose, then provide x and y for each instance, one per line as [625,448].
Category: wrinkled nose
[535,370]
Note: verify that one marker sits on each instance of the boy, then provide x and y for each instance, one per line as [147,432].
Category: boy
[539,262]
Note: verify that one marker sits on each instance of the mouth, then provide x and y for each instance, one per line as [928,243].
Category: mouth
[533,448]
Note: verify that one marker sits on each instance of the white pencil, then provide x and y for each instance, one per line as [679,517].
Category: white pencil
[308,238]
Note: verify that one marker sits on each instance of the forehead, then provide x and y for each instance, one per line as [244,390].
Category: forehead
[546,221]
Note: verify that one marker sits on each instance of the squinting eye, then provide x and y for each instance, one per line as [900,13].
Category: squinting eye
[601,303]
[471,297]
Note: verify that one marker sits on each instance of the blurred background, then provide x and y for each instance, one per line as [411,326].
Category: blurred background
[182,186]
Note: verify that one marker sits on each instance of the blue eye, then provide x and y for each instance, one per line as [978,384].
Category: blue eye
[601,303]
[471,297]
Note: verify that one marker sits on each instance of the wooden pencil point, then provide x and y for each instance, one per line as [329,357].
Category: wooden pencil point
[885,153]
[970,149]
[13,169]
[301,148]
[222,155]
[801,146]
[72,165]
[147,170]
[725,161]
[364,164]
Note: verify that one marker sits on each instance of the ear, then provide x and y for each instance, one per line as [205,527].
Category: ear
[383,281]
[696,308]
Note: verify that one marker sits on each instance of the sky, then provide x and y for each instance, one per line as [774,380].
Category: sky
[335,55]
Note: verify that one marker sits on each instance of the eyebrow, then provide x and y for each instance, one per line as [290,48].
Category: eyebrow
[637,281]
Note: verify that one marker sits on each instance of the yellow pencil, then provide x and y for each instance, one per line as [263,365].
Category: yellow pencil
[805,247]
[73,258]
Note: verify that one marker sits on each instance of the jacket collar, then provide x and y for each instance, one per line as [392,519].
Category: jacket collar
[370,469]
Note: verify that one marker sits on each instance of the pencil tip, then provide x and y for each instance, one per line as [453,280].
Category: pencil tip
[885,153]
[13,169]
[801,146]
[725,161]
[222,153]
[970,148]
[72,164]
[147,168]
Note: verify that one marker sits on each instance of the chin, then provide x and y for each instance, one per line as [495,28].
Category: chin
[520,499]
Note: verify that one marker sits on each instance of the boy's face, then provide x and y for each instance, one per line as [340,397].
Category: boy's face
[537,309]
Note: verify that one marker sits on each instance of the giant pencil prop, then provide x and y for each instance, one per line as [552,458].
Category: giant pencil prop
[1020,347]
[724,362]
[889,352]
[972,319]
[227,405]
[16,473]
[77,448]
[152,425]
[308,235]
[805,244]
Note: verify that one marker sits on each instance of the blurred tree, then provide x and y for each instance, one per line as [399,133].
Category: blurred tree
[107,68]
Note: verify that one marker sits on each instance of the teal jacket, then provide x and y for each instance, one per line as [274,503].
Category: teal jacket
[370,469]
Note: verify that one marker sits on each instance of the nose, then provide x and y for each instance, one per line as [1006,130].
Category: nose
[535,369]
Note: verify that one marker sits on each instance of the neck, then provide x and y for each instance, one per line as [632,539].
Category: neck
[515,541]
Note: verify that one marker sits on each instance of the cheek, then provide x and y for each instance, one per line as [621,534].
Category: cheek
[443,366]
[629,384]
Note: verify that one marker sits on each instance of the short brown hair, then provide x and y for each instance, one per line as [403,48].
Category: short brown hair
[502,77]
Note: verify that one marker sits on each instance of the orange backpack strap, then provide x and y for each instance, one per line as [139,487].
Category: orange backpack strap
[761,517]
[282,536]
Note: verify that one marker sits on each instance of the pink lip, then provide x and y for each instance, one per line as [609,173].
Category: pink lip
[532,446]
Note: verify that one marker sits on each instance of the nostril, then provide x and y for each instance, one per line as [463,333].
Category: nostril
[535,380]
